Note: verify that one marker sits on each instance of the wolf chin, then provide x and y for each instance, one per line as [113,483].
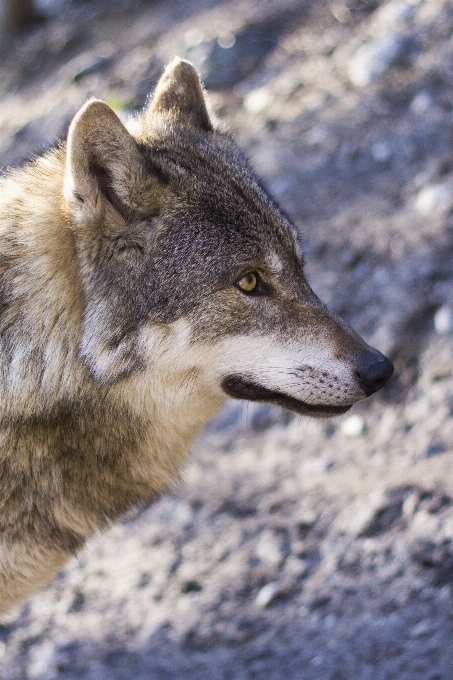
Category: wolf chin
[145,275]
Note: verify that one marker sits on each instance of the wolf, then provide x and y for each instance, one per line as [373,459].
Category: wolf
[145,276]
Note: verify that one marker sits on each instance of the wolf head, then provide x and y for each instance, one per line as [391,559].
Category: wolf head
[179,245]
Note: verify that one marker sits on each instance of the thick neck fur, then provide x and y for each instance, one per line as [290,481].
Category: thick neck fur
[135,431]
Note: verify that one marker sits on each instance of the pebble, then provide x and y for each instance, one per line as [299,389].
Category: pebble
[267,594]
[434,449]
[268,549]
[373,58]
[362,520]
[381,152]
[421,629]
[42,662]
[317,135]
[352,426]
[434,197]
[258,100]
[317,660]
[443,320]
[317,466]
[421,103]
[396,11]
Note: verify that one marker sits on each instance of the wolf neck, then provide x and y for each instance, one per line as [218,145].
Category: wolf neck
[138,429]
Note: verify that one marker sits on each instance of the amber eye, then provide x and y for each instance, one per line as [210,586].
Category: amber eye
[248,282]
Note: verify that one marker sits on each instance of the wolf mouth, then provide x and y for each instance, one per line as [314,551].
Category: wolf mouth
[238,388]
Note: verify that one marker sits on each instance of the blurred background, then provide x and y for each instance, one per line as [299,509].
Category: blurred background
[294,549]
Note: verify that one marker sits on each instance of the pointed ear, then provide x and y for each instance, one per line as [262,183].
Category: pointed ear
[105,186]
[102,157]
[179,95]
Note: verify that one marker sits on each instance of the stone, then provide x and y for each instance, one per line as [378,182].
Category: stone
[353,426]
[396,12]
[421,103]
[373,58]
[421,629]
[268,594]
[42,662]
[381,152]
[381,513]
[434,198]
[268,548]
[443,320]
[258,100]
[317,466]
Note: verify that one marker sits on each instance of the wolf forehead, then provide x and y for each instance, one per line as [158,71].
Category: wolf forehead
[217,211]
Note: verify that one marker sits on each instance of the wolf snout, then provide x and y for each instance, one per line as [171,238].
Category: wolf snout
[373,370]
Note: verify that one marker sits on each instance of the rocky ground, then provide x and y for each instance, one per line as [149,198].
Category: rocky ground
[293,549]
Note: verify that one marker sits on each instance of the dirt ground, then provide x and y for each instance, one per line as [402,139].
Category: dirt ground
[293,549]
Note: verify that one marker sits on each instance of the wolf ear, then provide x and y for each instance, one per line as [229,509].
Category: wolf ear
[179,95]
[104,186]
[102,157]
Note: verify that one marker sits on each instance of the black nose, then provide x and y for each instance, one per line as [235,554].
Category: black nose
[373,369]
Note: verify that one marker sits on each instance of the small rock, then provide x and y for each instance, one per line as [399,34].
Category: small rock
[421,630]
[317,660]
[257,100]
[317,466]
[42,662]
[380,513]
[268,548]
[268,594]
[421,103]
[410,504]
[434,449]
[340,11]
[381,152]
[305,524]
[443,320]
[373,58]
[395,12]
[317,135]
[434,198]
[352,426]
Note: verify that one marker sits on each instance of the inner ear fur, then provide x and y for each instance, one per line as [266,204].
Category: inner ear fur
[101,157]
[179,96]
